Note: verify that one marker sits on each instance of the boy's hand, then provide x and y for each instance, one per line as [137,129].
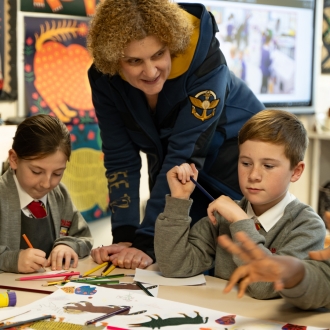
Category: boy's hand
[178,179]
[31,260]
[62,257]
[121,256]
[284,271]
[226,207]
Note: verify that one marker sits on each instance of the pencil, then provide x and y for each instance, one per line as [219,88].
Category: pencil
[202,189]
[29,245]
[111,268]
[96,268]
[106,268]
[24,289]
[98,282]
[38,277]
[16,324]
[27,241]
[100,318]
[142,287]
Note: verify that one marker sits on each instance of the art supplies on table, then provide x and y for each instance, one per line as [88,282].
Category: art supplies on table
[8,299]
[144,289]
[66,275]
[95,269]
[77,303]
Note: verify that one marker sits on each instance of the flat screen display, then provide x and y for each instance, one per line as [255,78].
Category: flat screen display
[269,44]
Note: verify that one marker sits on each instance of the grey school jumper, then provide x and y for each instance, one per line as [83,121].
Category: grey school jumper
[314,290]
[61,208]
[181,251]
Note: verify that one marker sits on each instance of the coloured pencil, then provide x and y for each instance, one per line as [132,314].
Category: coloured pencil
[2,323]
[24,289]
[95,268]
[98,282]
[100,318]
[16,324]
[142,287]
[109,327]
[111,268]
[29,244]
[38,277]
[202,189]
[27,241]
[106,268]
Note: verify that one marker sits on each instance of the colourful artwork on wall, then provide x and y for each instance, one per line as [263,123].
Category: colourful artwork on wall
[64,7]
[85,173]
[325,61]
[8,72]
[55,69]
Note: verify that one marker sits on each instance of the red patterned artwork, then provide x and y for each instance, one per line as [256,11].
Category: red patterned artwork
[56,5]
[61,71]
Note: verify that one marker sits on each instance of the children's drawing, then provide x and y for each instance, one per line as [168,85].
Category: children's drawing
[85,306]
[172,321]
[228,319]
[85,290]
[145,313]
[289,326]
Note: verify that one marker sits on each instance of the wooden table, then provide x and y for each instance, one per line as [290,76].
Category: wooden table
[207,296]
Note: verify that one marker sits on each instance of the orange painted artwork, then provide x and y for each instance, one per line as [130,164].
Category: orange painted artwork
[56,65]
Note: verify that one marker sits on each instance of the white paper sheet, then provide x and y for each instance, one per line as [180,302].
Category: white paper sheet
[153,277]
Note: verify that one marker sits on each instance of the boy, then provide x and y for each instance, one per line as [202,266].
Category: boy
[272,145]
[305,284]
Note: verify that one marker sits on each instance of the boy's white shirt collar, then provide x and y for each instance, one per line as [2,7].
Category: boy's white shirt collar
[24,198]
[270,217]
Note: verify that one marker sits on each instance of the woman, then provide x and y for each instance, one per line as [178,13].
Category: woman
[160,85]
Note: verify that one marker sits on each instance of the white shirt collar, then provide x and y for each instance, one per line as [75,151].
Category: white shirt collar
[24,198]
[270,217]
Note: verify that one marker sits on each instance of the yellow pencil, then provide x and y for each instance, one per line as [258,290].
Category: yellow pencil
[111,268]
[95,269]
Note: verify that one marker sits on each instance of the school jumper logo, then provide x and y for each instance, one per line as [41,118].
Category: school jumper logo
[207,105]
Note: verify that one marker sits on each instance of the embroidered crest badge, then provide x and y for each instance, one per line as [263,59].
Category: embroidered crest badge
[206,107]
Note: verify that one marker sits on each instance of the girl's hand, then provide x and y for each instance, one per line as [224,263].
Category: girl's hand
[178,179]
[62,257]
[31,260]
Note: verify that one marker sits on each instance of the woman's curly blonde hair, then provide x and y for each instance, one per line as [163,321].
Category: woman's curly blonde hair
[118,22]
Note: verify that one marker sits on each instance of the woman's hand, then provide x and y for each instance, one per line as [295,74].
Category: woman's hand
[178,179]
[31,260]
[121,256]
[62,257]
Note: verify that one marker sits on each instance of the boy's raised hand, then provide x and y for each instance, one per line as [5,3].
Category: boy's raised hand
[31,260]
[226,207]
[178,179]
[283,271]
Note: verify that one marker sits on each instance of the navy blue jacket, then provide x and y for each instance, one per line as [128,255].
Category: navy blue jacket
[199,112]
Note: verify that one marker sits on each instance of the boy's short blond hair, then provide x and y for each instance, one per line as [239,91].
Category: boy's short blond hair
[118,22]
[278,127]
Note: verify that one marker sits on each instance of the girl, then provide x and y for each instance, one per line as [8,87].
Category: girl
[56,230]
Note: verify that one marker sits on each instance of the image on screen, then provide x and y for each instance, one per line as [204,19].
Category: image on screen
[269,44]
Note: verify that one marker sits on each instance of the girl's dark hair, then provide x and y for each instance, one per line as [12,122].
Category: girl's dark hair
[40,136]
